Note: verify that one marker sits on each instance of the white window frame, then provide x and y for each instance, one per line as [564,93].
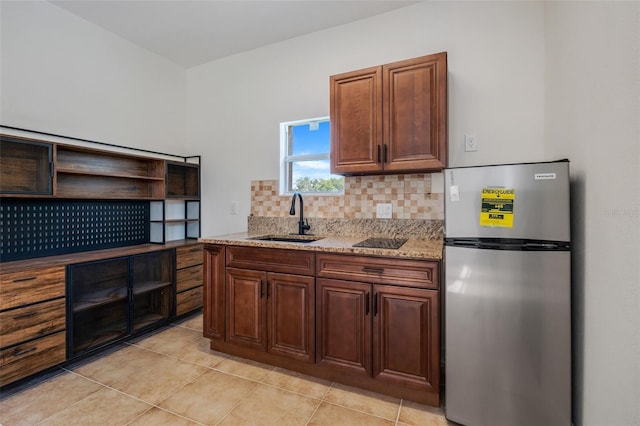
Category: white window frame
[287,160]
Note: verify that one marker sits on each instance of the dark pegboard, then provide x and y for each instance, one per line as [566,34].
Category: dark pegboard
[37,228]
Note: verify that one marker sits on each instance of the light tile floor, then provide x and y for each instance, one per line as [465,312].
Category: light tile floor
[173,378]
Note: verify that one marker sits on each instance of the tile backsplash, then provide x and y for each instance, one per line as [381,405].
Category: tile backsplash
[413,196]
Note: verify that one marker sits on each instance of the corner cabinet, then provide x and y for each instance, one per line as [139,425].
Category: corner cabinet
[390,118]
[365,321]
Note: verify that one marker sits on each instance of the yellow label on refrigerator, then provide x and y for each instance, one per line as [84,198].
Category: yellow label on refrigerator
[497,207]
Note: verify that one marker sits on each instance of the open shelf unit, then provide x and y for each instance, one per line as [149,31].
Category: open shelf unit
[174,219]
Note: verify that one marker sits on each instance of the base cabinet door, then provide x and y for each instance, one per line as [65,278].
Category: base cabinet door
[291,316]
[406,336]
[343,321]
[214,292]
[246,308]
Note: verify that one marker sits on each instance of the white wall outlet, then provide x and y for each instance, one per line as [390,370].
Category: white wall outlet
[234,208]
[384,210]
[470,143]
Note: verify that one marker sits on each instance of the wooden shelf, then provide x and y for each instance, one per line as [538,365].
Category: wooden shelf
[99,298]
[113,175]
[149,286]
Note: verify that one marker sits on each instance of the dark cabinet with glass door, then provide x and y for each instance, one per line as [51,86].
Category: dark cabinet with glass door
[112,299]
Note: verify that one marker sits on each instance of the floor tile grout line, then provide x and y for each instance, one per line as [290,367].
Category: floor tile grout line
[399,410]
[358,411]
[151,405]
[239,402]
[314,412]
[87,396]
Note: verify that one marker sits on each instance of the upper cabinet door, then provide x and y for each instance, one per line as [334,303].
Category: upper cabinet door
[415,113]
[356,121]
[390,118]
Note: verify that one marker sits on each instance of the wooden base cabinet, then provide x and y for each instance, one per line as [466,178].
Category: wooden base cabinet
[32,322]
[370,322]
[189,279]
[270,311]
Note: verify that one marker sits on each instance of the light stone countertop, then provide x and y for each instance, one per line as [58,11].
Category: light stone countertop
[413,248]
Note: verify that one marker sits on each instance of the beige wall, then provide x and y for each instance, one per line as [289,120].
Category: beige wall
[496,91]
[592,116]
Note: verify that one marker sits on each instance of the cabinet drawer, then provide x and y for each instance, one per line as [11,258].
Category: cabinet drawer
[379,270]
[18,325]
[189,256]
[271,260]
[189,300]
[30,286]
[189,278]
[31,357]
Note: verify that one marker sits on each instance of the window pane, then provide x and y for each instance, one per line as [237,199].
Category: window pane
[314,176]
[307,141]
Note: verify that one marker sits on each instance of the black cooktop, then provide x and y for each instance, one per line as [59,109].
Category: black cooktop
[384,243]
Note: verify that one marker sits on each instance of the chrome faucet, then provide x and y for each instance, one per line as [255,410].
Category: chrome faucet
[303,225]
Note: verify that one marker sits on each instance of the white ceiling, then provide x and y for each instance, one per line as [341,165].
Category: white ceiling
[193,32]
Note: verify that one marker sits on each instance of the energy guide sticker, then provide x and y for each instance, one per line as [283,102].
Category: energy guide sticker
[497,207]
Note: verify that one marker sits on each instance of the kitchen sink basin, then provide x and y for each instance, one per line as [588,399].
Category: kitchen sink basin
[287,238]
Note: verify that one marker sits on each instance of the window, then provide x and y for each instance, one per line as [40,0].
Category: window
[305,158]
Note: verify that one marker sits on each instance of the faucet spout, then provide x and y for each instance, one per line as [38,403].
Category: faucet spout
[302,224]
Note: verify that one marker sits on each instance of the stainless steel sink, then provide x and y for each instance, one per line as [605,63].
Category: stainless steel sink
[287,238]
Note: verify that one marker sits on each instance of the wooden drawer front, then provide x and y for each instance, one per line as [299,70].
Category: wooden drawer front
[379,270]
[189,300]
[189,278]
[189,256]
[18,325]
[31,357]
[271,260]
[30,286]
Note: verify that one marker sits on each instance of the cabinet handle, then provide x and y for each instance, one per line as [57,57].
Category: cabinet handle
[384,153]
[373,270]
[268,289]
[375,303]
[379,158]
[366,304]
[17,280]
[25,315]
[18,352]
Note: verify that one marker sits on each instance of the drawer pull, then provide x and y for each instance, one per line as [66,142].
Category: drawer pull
[18,352]
[25,315]
[373,270]
[18,280]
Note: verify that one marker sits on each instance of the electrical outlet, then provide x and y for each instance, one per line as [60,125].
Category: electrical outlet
[234,208]
[384,210]
[470,143]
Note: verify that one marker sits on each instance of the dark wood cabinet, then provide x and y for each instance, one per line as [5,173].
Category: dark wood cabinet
[406,336]
[271,312]
[366,321]
[343,321]
[375,321]
[391,118]
[214,292]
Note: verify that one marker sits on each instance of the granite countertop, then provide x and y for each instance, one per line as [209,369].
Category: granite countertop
[413,248]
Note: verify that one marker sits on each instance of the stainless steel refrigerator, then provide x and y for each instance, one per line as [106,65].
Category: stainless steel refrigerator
[508,295]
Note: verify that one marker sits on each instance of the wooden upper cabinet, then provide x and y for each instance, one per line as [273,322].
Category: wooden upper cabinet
[391,118]
[356,121]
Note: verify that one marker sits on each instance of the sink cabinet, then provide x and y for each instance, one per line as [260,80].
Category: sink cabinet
[390,118]
[270,300]
[365,321]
